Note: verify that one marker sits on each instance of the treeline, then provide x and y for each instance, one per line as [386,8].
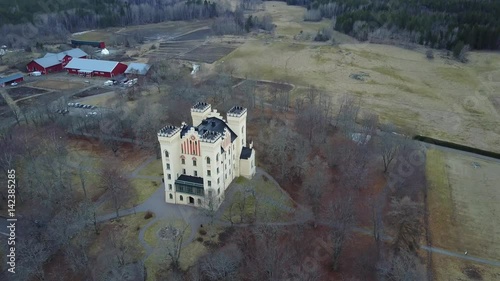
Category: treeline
[26,20]
[437,24]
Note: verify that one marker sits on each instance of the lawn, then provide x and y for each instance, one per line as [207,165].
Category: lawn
[143,189]
[272,203]
[153,169]
[150,236]
[126,228]
[463,211]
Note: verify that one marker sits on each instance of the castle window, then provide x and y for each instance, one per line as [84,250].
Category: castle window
[194,162]
[209,183]
[170,196]
[166,154]
[181,198]
[169,176]
[183,161]
[217,157]
[217,170]
[209,173]
[218,191]
[170,188]
[218,180]
[168,166]
[242,129]
[184,171]
[195,173]
[208,160]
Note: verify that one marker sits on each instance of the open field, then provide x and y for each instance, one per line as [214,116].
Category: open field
[58,85]
[92,92]
[463,204]
[209,53]
[153,169]
[440,98]
[448,268]
[23,91]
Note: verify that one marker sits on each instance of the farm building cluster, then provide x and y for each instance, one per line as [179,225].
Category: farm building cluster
[76,61]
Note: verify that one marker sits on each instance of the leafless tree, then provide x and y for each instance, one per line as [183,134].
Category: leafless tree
[405,217]
[172,247]
[211,203]
[222,264]
[348,112]
[340,219]
[116,184]
[402,266]
[315,185]
[389,146]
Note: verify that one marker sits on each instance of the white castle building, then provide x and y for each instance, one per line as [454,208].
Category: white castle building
[200,161]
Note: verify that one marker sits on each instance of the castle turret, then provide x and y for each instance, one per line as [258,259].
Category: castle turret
[200,111]
[170,143]
[237,121]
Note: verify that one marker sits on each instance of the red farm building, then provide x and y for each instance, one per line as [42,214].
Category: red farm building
[88,67]
[54,62]
[18,77]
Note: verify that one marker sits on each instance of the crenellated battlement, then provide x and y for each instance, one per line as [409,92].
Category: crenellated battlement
[168,131]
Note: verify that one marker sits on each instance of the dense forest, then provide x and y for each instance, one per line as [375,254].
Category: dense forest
[26,20]
[438,24]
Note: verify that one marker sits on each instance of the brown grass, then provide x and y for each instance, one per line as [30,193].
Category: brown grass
[58,85]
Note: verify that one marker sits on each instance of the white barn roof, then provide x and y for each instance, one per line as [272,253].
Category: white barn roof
[51,59]
[138,68]
[92,65]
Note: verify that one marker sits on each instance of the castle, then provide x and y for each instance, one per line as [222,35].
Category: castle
[200,161]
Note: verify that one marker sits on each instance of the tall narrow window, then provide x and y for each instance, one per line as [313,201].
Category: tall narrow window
[184,171]
[209,173]
[170,196]
[170,188]
[166,154]
[218,191]
[209,183]
[168,166]
[195,173]
[183,161]
[181,198]
[169,176]
[208,160]
[194,162]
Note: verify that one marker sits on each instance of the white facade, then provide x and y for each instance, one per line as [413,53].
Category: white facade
[200,161]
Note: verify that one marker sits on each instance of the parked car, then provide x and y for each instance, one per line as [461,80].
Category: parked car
[71,104]
[13,84]
[108,83]
[36,73]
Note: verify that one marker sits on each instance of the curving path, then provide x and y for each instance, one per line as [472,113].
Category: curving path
[194,217]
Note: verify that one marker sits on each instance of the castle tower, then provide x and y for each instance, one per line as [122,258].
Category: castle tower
[200,111]
[237,121]
[170,144]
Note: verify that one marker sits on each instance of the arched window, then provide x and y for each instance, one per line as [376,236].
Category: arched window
[217,157]
[170,196]
[166,154]
[181,198]
[208,160]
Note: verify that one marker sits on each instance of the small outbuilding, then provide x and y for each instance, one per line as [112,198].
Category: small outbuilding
[54,62]
[18,77]
[90,67]
[138,68]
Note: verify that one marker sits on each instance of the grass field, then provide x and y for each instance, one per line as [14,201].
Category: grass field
[440,98]
[463,203]
[153,169]
[272,203]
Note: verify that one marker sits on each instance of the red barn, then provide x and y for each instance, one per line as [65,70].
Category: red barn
[88,67]
[52,62]
[18,77]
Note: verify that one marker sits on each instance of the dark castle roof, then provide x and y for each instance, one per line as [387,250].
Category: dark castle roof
[214,124]
[245,153]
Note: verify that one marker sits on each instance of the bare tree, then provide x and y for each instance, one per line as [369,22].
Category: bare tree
[405,217]
[211,203]
[402,266]
[172,247]
[348,112]
[315,185]
[340,219]
[116,184]
[389,146]
[222,264]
